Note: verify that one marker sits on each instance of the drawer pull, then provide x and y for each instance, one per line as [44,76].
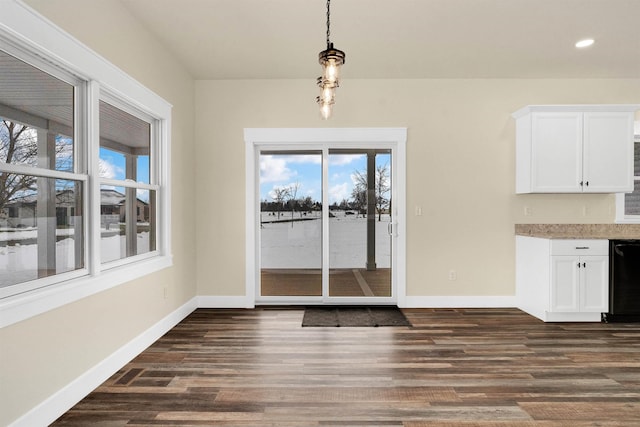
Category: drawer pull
[582,247]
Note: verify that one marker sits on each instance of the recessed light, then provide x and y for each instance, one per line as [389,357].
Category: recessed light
[584,43]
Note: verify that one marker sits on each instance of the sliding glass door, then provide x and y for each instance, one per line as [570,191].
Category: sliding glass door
[326,228]
[360,234]
[291,223]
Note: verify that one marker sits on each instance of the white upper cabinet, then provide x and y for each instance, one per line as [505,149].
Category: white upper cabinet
[608,152]
[574,149]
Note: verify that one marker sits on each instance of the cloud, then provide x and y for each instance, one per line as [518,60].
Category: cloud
[315,159]
[274,169]
[339,192]
[344,159]
[109,170]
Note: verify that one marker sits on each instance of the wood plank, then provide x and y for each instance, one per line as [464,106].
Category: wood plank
[453,367]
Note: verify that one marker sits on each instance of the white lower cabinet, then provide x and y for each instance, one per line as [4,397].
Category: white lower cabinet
[579,283]
[562,279]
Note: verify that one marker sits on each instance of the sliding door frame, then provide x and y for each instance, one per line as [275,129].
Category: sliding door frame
[261,139]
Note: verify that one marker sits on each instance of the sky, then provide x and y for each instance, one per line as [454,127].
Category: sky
[112,166]
[282,170]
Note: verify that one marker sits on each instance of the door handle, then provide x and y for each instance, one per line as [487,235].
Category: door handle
[390,229]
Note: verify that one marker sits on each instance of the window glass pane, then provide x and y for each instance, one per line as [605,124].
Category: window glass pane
[636,157]
[113,244]
[124,145]
[112,164]
[143,169]
[41,228]
[145,221]
[291,223]
[64,153]
[127,222]
[632,200]
[36,117]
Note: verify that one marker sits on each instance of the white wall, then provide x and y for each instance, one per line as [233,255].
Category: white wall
[45,353]
[460,169]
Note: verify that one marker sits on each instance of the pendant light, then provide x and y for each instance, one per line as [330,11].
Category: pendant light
[331,59]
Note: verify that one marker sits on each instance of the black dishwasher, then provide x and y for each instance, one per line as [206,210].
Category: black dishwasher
[624,281]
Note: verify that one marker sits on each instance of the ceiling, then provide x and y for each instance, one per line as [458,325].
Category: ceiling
[273,39]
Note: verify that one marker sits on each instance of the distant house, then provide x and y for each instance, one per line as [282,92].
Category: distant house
[21,213]
[113,203]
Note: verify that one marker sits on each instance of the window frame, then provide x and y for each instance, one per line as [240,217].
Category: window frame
[29,37]
[621,217]
[117,102]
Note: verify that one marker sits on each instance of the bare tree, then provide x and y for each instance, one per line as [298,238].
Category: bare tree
[293,192]
[382,188]
[359,192]
[280,196]
[18,144]
[306,204]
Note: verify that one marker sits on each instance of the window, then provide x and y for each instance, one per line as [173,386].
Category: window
[41,189]
[84,167]
[628,204]
[126,188]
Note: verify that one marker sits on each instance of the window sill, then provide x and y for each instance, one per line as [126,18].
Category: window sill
[628,221]
[21,307]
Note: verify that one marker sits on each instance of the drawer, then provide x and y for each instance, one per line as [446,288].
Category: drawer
[579,247]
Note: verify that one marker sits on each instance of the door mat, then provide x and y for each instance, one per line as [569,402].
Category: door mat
[332,316]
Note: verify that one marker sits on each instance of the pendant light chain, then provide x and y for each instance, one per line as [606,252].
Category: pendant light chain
[328,22]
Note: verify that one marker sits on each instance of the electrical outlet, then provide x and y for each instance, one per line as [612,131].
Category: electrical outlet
[453,275]
[528,211]
[586,211]
[418,210]
[166,292]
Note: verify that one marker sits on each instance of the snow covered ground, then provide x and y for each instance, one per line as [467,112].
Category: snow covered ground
[284,244]
[298,244]
[19,258]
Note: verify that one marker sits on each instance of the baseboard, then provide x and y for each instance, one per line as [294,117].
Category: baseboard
[225,302]
[459,302]
[60,402]
[406,302]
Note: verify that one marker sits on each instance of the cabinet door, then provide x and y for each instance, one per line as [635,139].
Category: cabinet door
[608,152]
[565,283]
[594,284]
[556,152]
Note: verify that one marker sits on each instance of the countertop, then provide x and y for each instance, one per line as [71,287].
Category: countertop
[579,231]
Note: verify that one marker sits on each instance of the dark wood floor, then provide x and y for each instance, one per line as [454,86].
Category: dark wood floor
[480,367]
